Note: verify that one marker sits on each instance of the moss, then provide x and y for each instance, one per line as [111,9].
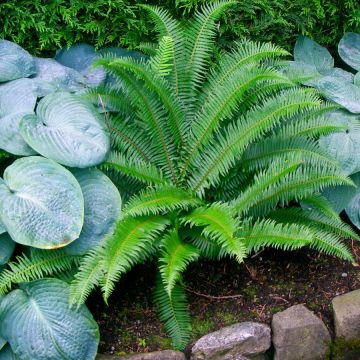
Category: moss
[157,341]
[277,308]
[201,327]
[342,349]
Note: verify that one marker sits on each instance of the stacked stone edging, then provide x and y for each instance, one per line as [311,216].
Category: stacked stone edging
[296,334]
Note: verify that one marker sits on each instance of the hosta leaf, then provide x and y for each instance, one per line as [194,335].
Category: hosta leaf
[353,207]
[349,49]
[307,74]
[38,324]
[344,145]
[7,247]
[15,62]
[340,74]
[339,196]
[7,354]
[67,129]
[41,203]
[310,52]
[102,204]
[10,138]
[357,79]
[57,77]
[343,93]
[81,58]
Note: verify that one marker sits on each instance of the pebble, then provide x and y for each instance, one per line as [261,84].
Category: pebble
[344,274]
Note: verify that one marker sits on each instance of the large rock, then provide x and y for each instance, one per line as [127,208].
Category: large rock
[157,355]
[246,340]
[346,310]
[299,335]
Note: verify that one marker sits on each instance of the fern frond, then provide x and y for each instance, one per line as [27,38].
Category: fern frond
[161,199]
[90,272]
[268,233]
[128,244]
[161,63]
[140,170]
[148,48]
[220,225]
[173,313]
[320,204]
[220,155]
[175,257]
[39,264]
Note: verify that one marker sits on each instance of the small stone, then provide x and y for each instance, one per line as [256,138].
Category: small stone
[344,275]
[157,355]
[242,341]
[346,310]
[298,334]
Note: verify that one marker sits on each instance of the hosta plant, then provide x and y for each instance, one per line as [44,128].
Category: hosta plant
[56,200]
[315,67]
[214,161]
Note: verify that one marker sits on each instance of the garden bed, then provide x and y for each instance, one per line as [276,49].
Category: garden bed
[222,293]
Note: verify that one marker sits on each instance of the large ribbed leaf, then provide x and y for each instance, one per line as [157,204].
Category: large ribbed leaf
[353,207]
[17,98]
[102,203]
[344,145]
[339,196]
[7,247]
[53,76]
[340,91]
[310,52]
[67,129]
[81,58]
[41,203]
[349,49]
[15,62]
[38,324]
[357,79]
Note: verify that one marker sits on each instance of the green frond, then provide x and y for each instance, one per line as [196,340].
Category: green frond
[268,233]
[320,204]
[245,52]
[173,313]
[129,243]
[221,105]
[200,35]
[297,186]
[159,200]
[128,138]
[262,181]
[162,62]
[208,248]
[148,48]
[90,272]
[220,155]
[39,264]
[156,84]
[175,257]
[151,112]
[285,149]
[140,170]
[220,225]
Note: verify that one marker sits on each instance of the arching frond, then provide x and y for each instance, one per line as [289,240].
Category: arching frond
[162,62]
[159,200]
[175,257]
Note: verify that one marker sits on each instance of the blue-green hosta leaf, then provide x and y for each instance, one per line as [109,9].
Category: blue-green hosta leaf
[310,52]
[67,129]
[52,76]
[7,354]
[102,203]
[18,96]
[307,74]
[349,49]
[353,207]
[339,196]
[15,62]
[7,247]
[357,79]
[344,145]
[81,58]
[341,92]
[3,342]
[38,323]
[41,203]
[339,73]
[10,138]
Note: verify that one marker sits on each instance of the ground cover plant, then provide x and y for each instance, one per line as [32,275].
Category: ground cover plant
[212,158]
[315,65]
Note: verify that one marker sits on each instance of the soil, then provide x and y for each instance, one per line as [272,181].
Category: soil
[223,293]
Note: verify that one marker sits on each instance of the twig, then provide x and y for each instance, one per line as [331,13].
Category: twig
[213,297]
